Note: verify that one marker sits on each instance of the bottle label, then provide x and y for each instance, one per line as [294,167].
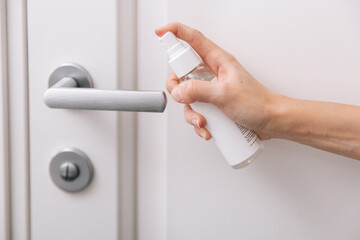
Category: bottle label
[237,143]
[249,135]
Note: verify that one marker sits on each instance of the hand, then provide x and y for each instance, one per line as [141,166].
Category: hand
[236,93]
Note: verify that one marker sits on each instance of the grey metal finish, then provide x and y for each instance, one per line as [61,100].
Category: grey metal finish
[71,170]
[69,88]
[71,70]
[66,82]
[95,99]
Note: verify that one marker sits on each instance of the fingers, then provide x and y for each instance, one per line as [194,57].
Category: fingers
[194,118]
[212,54]
[171,82]
[203,132]
[198,91]
[198,121]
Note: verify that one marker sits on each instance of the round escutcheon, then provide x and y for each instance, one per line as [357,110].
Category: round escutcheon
[73,70]
[71,170]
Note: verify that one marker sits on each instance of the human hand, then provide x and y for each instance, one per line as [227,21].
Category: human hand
[236,93]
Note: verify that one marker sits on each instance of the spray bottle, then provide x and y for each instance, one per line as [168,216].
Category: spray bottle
[238,145]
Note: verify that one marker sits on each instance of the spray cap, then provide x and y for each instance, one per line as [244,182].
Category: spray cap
[182,59]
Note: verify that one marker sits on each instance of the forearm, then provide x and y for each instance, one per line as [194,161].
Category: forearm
[332,127]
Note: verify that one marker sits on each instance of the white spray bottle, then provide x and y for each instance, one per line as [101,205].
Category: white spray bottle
[238,144]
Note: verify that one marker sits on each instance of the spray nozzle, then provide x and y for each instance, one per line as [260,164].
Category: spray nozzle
[183,59]
[172,44]
[169,40]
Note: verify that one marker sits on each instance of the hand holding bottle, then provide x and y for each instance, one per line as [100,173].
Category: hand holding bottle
[236,93]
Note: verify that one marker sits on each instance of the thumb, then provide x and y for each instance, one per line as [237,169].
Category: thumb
[197,91]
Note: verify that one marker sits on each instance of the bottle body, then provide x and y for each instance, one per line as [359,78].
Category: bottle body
[238,145]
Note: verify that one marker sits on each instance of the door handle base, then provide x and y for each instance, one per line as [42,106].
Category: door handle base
[72,70]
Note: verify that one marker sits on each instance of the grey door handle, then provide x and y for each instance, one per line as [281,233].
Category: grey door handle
[70,87]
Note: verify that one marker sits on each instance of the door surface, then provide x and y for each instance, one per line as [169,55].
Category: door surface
[98,35]
[304,49]
[154,179]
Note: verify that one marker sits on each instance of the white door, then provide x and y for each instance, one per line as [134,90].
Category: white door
[304,49]
[99,36]
[153,178]
[36,38]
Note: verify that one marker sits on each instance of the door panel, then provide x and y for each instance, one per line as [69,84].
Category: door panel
[87,33]
[305,49]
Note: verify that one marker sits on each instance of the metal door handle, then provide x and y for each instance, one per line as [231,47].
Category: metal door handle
[70,88]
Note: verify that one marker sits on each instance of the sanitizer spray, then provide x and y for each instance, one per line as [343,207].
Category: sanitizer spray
[238,145]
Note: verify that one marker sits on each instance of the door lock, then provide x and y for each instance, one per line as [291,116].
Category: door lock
[71,170]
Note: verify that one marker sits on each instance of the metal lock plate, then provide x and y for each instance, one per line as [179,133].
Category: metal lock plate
[71,170]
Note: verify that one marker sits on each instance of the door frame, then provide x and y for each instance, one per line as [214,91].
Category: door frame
[152,137]
[14,124]
[4,137]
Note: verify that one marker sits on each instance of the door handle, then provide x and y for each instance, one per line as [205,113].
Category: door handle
[70,87]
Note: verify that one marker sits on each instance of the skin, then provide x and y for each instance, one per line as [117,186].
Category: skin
[332,127]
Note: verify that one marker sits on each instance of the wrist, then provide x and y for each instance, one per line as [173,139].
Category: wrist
[279,110]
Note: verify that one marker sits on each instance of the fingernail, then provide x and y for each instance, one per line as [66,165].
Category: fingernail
[202,134]
[176,94]
[195,122]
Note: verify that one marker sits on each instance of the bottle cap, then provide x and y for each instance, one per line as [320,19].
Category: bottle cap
[182,59]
